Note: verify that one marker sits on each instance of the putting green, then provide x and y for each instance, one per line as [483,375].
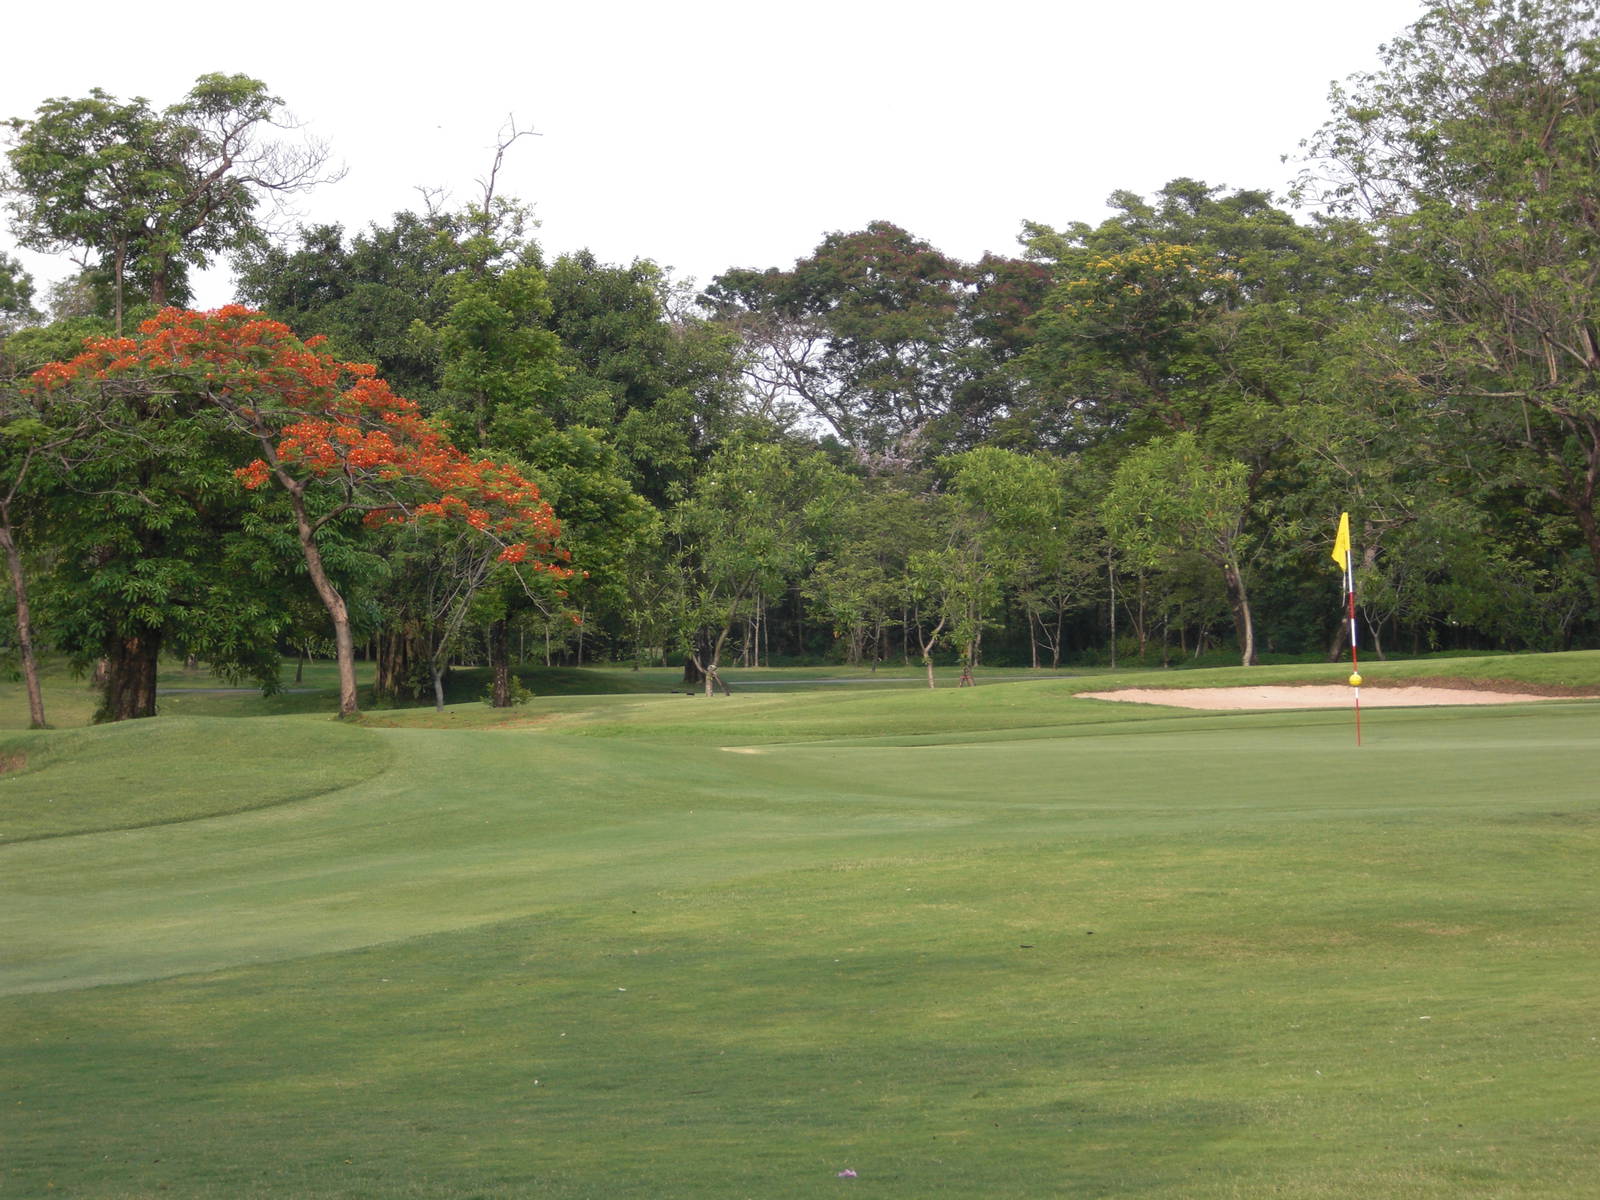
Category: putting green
[468,828]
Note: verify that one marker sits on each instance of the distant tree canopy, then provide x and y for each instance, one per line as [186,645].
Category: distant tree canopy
[895,348]
[1129,438]
[140,195]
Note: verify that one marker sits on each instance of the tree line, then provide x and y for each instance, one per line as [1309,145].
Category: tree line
[424,441]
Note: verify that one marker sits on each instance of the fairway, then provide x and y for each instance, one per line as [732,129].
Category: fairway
[990,942]
[524,694]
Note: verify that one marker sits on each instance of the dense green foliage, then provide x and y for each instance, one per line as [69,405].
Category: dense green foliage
[144,195]
[1132,438]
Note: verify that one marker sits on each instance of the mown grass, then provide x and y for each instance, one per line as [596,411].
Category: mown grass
[989,942]
[134,774]
[70,703]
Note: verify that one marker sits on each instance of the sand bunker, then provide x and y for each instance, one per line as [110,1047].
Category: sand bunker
[1337,695]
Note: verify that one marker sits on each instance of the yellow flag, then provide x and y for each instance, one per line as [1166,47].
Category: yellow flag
[1341,542]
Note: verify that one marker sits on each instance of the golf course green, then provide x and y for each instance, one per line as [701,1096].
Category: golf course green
[806,940]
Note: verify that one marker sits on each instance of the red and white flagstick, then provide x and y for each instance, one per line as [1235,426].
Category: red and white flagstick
[1355,658]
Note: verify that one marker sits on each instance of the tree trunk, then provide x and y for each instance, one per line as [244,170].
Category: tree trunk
[25,650]
[130,691]
[119,261]
[709,673]
[1341,628]
[1111,577]
[927,650]
[1243,623]
[1046,634]
[380,664]
[1590,529]
[500,663]
[713,676]
[1139,624]
[799,621]
[344,647]
[393,665]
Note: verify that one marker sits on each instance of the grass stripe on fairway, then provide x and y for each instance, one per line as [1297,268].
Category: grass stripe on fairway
[1007,945]
[466,828]
[136,774]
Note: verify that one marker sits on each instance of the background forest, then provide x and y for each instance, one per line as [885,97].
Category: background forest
[1128,440]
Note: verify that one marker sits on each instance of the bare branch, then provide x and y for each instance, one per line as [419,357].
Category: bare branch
[509,136]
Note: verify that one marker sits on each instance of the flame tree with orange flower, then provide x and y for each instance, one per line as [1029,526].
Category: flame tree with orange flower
[330,432]
[141,541]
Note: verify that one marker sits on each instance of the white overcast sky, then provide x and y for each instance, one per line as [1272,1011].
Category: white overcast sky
[707,134]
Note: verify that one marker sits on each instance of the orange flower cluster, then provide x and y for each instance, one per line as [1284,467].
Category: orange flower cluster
[233,349]
[254,476]
[323,418]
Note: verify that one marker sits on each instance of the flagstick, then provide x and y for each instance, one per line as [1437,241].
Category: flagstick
[1355,657]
